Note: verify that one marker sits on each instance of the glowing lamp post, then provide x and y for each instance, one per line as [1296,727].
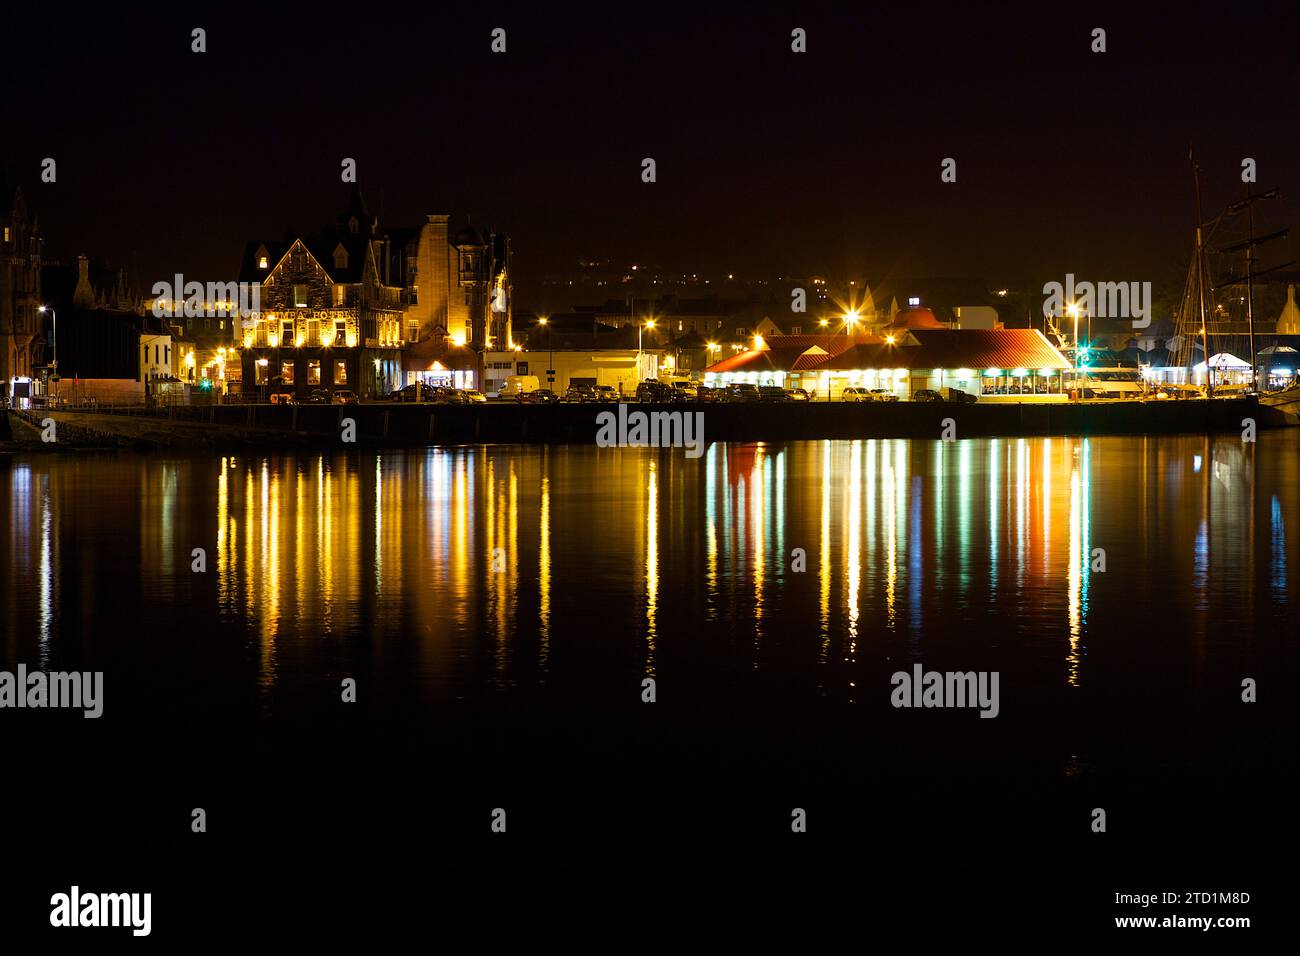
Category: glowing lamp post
[55,335]
[550,365]
[649,324]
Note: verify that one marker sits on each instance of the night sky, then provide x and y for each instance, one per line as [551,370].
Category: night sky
[768,161]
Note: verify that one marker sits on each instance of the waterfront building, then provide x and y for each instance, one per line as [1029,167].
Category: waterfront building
[993,364]
[102,333]
[330,315]
[340,307]
[580,354]
[21,340]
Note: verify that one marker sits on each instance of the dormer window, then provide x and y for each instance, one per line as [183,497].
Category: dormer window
[261,262]
[340,258]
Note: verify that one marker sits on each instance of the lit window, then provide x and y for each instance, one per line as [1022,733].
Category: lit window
[340,373]
[413,331]
[340,331]
[313,372]
[300,297]
[913,300]
[7,233]
[286,372]
[263,372]
[261,262]
[286,334]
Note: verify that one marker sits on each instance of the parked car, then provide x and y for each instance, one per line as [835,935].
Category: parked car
[579,393]
[283,398]
[604,393]
[652,391]
[883,395]
[517,385]
[798,395]
[415,392]
[474,396]
[855,394]
[344,396]
[743,392]
[706,393]
[319,396]
[926,395]
[685,391]
[772,393]
[539,396]
[450,396]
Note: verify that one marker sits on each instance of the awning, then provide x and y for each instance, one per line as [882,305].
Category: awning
[1223,360]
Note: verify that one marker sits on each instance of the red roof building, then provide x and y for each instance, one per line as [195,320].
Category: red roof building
[967,359]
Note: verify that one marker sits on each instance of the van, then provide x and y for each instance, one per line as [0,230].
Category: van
[518,385]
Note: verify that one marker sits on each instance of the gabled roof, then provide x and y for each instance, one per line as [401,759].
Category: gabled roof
[988,348]
[248,269]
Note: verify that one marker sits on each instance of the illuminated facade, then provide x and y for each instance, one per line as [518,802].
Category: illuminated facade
[1015,364]
[20,294]
[339,309]
[331,316]
[458,286]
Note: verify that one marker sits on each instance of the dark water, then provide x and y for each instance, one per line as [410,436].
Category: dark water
[500,607]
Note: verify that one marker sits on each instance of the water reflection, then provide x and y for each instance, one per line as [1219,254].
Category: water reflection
[503,566]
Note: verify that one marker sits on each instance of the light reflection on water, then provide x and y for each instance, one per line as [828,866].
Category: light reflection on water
[503,566]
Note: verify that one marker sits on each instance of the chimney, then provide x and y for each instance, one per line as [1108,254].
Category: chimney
[84,296]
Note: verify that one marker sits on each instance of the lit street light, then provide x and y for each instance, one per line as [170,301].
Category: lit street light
[55,335]
[550,365]
[649,324]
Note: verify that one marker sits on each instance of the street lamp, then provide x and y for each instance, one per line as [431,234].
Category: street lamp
[55,335]
[550,365]
[55,316]
[1073,310]
[649,324]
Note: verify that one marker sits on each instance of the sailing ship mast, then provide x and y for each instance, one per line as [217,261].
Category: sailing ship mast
[1248,245]
[1200,273]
